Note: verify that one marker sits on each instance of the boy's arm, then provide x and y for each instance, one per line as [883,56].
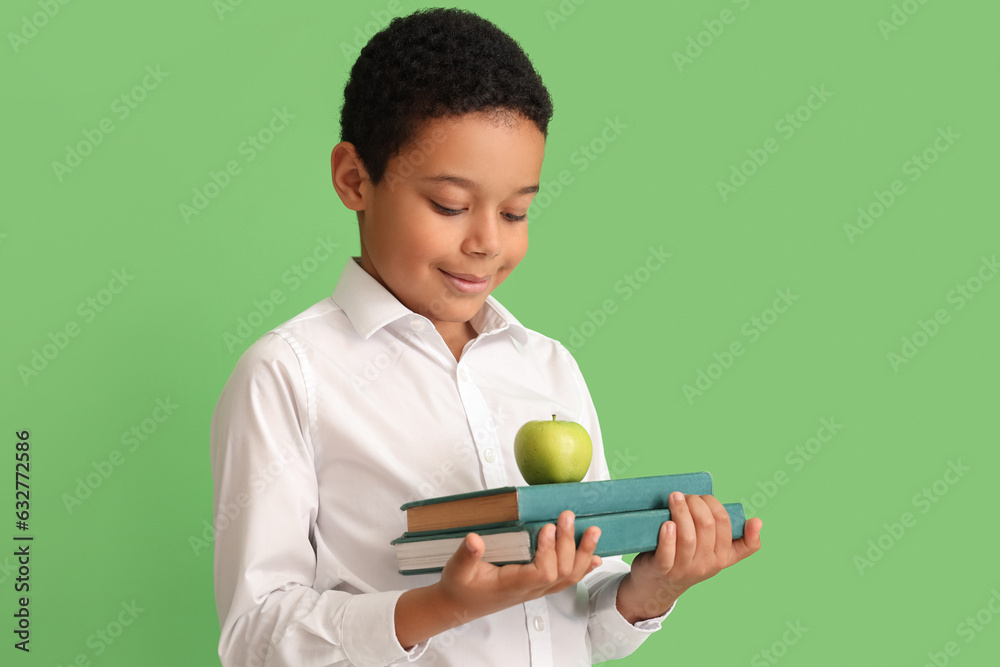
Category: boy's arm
[265,502]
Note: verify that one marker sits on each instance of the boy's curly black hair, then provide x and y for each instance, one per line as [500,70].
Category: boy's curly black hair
[430,64]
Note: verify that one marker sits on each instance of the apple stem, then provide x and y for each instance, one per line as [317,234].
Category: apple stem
[553,417]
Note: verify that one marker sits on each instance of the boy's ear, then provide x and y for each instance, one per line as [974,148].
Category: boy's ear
[349,175]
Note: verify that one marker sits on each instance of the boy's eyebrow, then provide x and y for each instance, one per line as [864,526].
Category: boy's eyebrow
[463,182]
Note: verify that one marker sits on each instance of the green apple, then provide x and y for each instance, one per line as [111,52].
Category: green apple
[550,452]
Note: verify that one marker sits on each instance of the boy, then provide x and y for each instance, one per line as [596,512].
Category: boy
[410,382]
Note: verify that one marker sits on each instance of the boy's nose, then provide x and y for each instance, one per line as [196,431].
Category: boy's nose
[483,235]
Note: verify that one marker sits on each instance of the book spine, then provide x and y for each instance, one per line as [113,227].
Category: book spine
[544,502]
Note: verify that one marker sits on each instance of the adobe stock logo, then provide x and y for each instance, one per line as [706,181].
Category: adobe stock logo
[227,513]
[566,9]
[924,501]
[752,329]
[779,648]
[122,107]
[405,164]
[901,13]
[133,439]
[968,629]
[582,158]
[87,310]
[223,7]
[915,167]
[381,18]
[107,634]
[248,325]
[30,25]
[926,330]
[252,146]
[627,286]
[796,458]
[786,126]
[697,44]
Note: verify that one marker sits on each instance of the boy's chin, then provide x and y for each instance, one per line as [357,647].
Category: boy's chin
[451,312]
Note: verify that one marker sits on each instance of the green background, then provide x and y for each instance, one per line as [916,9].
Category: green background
[682,127]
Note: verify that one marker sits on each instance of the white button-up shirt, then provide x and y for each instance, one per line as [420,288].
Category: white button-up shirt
[336,418]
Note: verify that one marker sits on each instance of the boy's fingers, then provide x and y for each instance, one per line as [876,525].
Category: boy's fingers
[545,551]
[686,538]
[546,540]
[666,546]
[585,558]
[723,531]
[468,554]
[704,523]
[749,544]
[565,544]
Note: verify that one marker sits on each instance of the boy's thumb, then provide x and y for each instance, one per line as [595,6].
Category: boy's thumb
[469,552]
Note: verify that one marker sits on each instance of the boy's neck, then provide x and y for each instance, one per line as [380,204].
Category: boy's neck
[456,335]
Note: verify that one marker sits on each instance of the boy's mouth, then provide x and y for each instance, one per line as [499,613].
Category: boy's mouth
[466,282]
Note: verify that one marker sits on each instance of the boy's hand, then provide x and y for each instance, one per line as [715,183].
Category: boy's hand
[479,588]
[471,588]
[694,545]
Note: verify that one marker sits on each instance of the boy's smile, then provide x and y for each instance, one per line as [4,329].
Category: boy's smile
[448,222]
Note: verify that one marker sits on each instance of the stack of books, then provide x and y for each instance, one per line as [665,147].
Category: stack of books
[629,513]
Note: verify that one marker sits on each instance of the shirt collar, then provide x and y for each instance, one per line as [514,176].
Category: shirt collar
[370,306]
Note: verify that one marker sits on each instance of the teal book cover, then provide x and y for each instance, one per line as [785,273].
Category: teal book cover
[621,533]
[543,502]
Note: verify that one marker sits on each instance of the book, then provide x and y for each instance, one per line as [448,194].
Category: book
[511,505]
[621,533]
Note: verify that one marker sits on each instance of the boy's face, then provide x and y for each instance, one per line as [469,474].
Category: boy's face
[448,222]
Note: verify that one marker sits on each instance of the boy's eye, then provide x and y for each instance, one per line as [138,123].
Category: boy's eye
[444,210]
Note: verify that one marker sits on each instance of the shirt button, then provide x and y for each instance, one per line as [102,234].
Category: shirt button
[490,455]
[539,623]
[463,375]
[417,325]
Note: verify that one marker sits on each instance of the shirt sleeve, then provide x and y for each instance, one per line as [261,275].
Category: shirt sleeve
[265,505]
[609,634]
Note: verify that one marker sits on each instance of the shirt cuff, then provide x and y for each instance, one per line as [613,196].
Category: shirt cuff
[626,636]
[375,611]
